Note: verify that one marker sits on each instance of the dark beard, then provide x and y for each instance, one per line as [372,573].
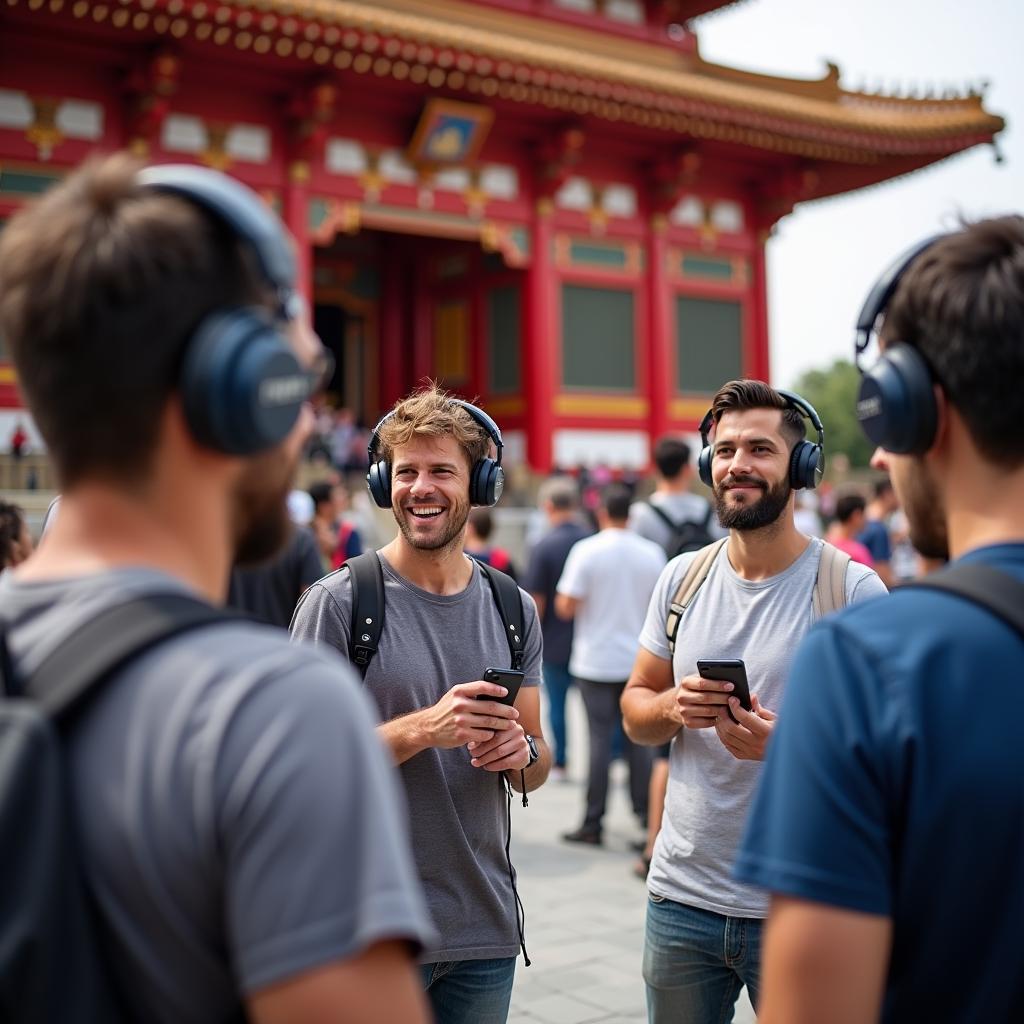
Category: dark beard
[926,519]
[763,512]
[262,524]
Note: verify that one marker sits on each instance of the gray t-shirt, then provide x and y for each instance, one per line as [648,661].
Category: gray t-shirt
[239,821]
[710,791]
[458,813]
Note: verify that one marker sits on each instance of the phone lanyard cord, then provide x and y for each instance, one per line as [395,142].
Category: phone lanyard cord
[519,910]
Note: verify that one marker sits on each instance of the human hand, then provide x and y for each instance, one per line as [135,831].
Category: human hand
[506,750]
[701,700]
[459,718]
[746,738]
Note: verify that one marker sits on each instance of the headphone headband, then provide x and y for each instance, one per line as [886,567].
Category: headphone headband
[796,402]
[242,211]
[882,292]
[477,413]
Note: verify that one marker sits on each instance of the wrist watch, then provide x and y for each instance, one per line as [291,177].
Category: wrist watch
[534,752]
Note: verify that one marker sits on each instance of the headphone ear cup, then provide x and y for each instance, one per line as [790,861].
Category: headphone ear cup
[378,482]
[896,404]
[486,483]
[805,466]
[230,359]
[704,466]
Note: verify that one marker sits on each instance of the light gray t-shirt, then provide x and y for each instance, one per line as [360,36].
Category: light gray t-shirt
[239,821]
[458,813]
[710,791]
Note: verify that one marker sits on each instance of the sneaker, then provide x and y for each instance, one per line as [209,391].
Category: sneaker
[590,836]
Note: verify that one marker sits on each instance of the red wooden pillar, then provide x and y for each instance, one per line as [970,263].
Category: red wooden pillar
[395,364]
[295,212]
[662,378]
[539,341]
[422,325]
[759,362]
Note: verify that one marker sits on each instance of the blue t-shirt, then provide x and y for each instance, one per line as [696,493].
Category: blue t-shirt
[875,537]
[542,575]
[894,785]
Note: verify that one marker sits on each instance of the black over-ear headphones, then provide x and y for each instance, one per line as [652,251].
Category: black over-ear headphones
[241,385]
[486,478]
[806,461]
[896,402]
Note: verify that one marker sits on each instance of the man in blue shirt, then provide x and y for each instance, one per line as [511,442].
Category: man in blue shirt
[560,501]
[888,824]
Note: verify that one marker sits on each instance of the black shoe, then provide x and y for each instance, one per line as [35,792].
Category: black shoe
[583,834]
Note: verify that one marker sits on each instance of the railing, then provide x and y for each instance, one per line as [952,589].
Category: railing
[31,472]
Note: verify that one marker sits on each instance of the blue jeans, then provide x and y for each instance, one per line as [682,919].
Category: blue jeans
[696,962]
[557,682]
[470,991]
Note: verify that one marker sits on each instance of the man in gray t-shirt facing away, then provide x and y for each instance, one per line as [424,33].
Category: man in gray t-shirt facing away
[429,463]
[704,929]
[236,822]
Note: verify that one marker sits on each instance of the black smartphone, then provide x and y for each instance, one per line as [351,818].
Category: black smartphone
[510,678]
[729,671]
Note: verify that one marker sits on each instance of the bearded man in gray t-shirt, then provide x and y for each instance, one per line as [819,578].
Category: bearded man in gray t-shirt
[703,933]
[429,463]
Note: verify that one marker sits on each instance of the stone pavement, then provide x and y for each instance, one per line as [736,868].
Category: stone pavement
[584,907]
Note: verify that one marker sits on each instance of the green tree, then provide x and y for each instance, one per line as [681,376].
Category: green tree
[833,393]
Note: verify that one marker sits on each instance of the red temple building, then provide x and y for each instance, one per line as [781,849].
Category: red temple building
[555,205]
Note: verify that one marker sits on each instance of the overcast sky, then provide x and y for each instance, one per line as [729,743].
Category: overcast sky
[826,255]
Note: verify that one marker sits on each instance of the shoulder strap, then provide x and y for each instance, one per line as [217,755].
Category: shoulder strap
[509,600]
[69,674]
[691,582]
[367,608]
[992,589]
[829,593]
[663,516]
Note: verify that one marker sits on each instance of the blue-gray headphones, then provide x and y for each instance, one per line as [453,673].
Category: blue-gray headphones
[242,387]
[896,402]
[486,479]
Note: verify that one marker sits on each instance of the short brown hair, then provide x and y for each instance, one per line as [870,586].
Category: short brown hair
[961,305]
[102,283]
[431,412]
[739,395]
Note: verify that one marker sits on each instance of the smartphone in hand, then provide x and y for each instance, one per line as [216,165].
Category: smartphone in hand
[510,678]
[729,671]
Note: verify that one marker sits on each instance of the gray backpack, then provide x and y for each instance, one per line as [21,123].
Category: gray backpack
[51,960]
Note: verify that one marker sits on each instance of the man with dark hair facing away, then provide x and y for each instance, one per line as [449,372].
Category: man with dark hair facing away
[661,517]
[559,499]
[604,589]
[455,753]
[756,601]
[888,824]
[236,821]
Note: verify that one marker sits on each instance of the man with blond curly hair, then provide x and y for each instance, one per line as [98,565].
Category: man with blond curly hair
[429,461]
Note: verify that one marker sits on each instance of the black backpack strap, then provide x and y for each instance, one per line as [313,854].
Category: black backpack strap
[664,517]
[996,591]
[69,674]
[509,600]
[367,576]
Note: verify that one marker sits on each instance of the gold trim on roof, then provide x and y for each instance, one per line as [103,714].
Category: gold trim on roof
[531,61]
